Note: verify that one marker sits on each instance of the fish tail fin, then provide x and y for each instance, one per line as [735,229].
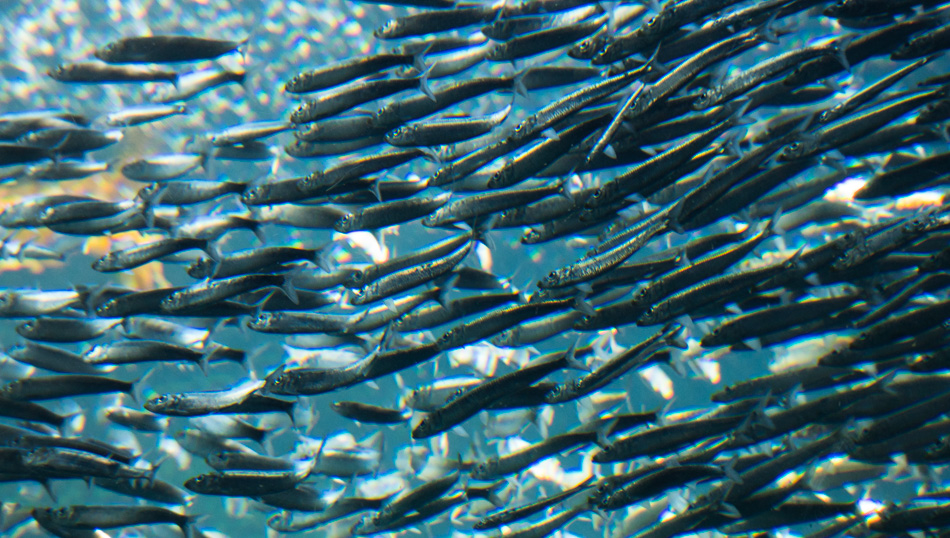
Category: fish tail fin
[213,250]
[772,227]
[49,490]
[570,358]
[243,48]
[424,83]
[418,59]
[480,231]
[564,188]
[840,49]
[288,285]
[765,31]
[518,84]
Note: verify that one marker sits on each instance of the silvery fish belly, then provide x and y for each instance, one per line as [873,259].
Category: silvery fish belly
[475,268]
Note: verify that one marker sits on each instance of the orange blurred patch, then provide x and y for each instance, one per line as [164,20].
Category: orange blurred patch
[146,277]
[919,200]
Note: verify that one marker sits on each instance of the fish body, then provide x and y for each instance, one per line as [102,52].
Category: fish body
[164,49]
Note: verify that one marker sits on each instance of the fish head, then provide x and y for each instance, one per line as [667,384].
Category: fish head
[218,460]
[525,128]
[705,100]
[550,280]
[356,279]
[364,526]
[300,113]
[498,52]
[25,329]
[295,84]
[347,223]
[597,198]
[603,455]
[711,337]
[585,322]
[39,456]
[161,403]
[279,382]
[109,52]
[7,300]
[387,114]
[585,50]
[482,471]
[262,321]
[500,177]
[401,135]
[361,296]
[63,516]
[10,389]
[835,9]
[148,192]
[60,73]
[651,314]
[205,483]
[426,427]
[135,169]
[201,268]
[172,302]
[311,181]
[254,195]
[387,29]
[793,151]
[448,338]
[107,309]
[106,262]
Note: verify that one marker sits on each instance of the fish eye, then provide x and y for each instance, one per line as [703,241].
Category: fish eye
[651,21]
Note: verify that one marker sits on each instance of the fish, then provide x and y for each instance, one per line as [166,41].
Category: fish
[96,73]
[211,291]
[139,115]
[165,49]
[351,69]
[53,387]
[90,517]
[163,167]
[446,131]
[49,329]
[203,403]
[477,398]
[370,414]
[249,483]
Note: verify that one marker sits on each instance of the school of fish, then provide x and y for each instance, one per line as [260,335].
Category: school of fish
[523,268]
